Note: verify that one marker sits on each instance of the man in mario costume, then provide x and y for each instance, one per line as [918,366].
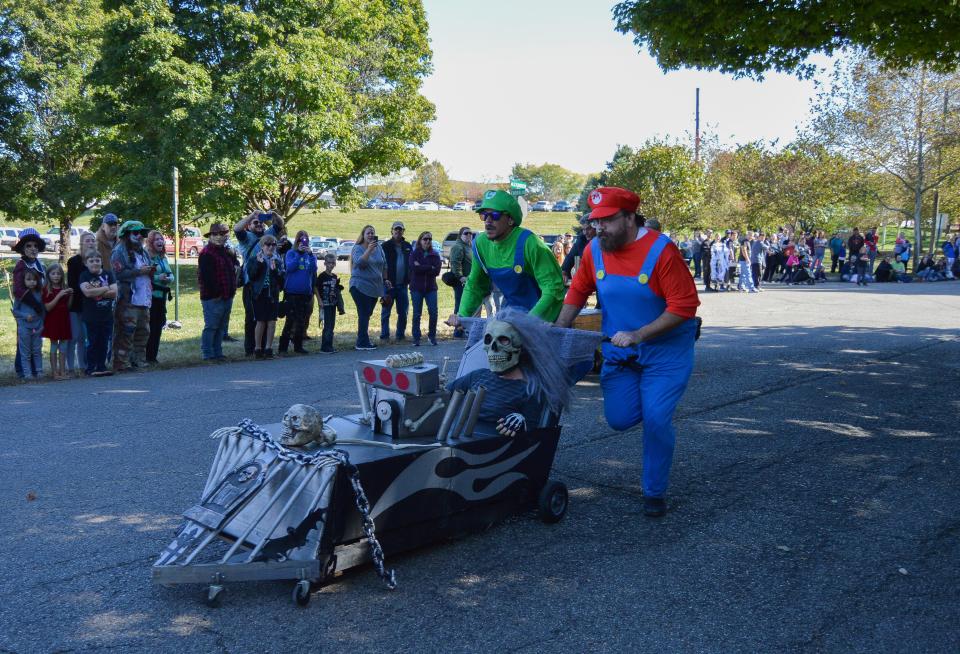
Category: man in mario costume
[649,304]
[513,258]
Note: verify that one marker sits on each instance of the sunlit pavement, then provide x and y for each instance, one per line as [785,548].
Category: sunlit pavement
[813,505]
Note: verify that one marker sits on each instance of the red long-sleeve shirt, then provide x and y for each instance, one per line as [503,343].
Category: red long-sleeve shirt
[671,278]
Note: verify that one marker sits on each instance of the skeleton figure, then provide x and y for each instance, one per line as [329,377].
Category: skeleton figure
[503,345]
[303,424]
[512,424]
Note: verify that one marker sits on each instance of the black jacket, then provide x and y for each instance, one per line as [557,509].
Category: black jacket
[390,253]
[576,250]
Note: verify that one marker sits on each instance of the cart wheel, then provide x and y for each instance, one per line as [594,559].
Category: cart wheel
[301,592]
[552,504]
[212,596]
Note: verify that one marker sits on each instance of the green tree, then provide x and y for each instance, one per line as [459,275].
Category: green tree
[49,151]
[751,38]
[262,105]
[667,179]
[895,125]
[548,181]
[431,182]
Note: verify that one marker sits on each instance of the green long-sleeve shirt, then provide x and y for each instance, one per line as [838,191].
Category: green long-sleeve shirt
[539,263]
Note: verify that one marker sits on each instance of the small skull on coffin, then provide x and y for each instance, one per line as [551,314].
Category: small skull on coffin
[302,425]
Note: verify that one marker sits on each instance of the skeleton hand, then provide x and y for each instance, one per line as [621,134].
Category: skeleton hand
[512,424]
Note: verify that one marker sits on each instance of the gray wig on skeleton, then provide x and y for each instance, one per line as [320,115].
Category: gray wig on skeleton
[546,374]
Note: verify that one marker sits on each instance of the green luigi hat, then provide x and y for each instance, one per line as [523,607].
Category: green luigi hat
[502,201]
[131,226]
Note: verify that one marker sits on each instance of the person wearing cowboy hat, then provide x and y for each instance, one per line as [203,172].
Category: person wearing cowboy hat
[520,264]
[649,306]
[29,245]
[217,277]
[134,271]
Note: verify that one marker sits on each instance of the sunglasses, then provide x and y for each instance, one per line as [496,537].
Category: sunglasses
[224,233]
[492,215]
[269,245]
[427,238]
[255,223]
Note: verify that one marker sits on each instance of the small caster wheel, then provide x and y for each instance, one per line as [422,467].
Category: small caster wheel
[301,592]
[552,503]
[212,596]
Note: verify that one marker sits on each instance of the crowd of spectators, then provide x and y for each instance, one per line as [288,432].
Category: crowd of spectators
[105,313]
[730,261]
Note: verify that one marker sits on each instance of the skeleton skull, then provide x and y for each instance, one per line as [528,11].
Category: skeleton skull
[503,344]
[303,424]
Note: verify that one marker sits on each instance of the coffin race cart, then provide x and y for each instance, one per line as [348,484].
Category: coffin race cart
[313,496]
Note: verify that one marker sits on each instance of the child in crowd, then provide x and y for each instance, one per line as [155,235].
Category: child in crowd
[56,324]
[99,288]
[29,312]
[330,299]
[791,266]
[862,259]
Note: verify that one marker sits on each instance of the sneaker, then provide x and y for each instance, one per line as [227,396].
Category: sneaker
[327,351]
[416,342]
[654,507]
[229,339]
[268,353]
[258,354]
[369,346]
[433,341]
[300,351]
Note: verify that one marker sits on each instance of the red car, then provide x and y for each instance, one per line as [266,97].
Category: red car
[191,242]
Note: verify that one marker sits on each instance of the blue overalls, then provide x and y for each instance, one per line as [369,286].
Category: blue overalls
[643,382]
[519,289]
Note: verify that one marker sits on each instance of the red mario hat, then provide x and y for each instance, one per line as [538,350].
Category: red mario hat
[606,201]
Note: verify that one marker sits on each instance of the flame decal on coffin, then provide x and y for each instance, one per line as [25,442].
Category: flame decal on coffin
[422,474]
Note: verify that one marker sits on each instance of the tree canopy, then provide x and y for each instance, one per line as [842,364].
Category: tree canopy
[548,181]
[752,38]
[261,105]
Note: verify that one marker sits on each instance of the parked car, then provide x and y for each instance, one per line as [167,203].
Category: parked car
[52,238]
[542,205]
[428,205]
[320,246]
[444,259]
[462,206]
[392,206]
[344,250]
[444,207]
[449,240]
[191,242]
[372,204]
[333,239]
[562,205]
[476,205]
[409,205]
[550,239]
[9,237]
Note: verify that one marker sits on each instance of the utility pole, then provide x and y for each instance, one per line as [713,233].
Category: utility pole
[935,232]
[696,120]
[176,245]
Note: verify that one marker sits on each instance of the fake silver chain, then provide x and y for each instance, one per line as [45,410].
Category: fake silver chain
[327,458]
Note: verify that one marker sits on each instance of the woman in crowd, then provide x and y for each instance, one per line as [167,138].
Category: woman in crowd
[368,281]
[162,280]
[424,267]
[266,273]
[77,348]
[301,268]
[56,321]
[558,252]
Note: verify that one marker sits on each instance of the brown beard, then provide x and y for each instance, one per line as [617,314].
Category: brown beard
[610,243]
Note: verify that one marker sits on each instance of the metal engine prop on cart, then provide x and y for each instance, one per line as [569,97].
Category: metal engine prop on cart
[404,400]
[273,506]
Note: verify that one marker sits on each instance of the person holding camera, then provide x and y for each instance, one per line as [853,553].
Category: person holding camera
[368,282]
[301,271]
[266,274]
[249,231]
[134,271]
[162,280]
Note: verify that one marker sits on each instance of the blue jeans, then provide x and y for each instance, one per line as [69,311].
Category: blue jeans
[746,276]
[77,349]
[97,335]
[30,348]
[417,298]
[402,303]
[216,318]
[365,305]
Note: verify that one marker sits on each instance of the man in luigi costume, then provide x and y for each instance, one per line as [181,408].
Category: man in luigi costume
[134,270]
[649,306]
[513,258]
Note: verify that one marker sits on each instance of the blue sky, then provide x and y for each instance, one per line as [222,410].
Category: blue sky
[551,81]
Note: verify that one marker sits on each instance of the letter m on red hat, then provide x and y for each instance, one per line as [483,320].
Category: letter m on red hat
[607,201]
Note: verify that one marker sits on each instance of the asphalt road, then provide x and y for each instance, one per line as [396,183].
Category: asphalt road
[813,505]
